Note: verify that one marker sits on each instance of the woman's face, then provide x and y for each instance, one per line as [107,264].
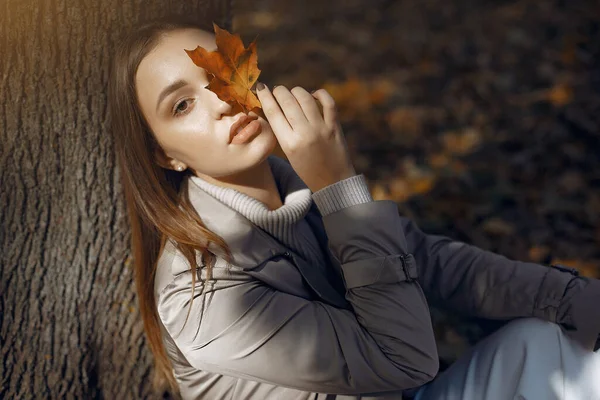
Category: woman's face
[189,121]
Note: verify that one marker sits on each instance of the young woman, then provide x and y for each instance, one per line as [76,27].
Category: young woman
[262,278]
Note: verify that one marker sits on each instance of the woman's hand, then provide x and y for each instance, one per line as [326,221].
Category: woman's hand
[313,142]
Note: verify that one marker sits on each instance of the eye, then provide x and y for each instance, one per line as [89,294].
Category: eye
[182,107]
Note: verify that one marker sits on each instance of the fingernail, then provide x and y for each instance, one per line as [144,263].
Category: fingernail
[260,86]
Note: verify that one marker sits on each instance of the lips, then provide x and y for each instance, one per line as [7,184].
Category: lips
[240,123]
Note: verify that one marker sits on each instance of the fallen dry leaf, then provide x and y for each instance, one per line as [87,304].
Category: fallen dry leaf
[463,142]
[538,253]
[405,121]
[498,226]
[560,95]
[351,97]
[379,192]
[232,67]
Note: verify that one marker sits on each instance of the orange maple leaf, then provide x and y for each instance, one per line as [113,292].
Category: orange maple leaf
[232,67]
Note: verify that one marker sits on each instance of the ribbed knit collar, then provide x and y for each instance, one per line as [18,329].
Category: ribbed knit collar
[295,194]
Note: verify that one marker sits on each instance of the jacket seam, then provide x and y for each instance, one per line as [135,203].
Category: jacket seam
[537,295]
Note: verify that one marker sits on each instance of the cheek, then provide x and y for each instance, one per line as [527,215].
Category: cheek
[196,126]
[194,132]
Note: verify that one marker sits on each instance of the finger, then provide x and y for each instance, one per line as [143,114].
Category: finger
[329,108]
[290,107]
[309,105]
[272,111]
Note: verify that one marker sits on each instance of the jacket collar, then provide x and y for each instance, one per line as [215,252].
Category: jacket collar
[251,246]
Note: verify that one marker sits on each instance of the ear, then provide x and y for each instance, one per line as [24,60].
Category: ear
[162,159]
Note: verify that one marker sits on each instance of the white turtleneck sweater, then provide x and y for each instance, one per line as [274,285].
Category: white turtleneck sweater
[287,223]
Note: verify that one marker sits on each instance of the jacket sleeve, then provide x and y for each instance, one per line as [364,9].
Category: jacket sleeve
[471,281]
[247,329]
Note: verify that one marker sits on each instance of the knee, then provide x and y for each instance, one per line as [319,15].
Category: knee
[532,325]
[531,332]
[520,341]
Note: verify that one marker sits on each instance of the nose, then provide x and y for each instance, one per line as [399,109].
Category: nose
[224,109]
[221,107]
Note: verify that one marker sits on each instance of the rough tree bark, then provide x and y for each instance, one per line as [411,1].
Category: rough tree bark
[70,326]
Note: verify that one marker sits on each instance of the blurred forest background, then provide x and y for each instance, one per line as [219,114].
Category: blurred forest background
[480,118]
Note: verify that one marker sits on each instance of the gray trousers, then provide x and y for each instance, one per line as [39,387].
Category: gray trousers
[526,359]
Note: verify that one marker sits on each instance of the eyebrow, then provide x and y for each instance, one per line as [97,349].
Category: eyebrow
[170,89]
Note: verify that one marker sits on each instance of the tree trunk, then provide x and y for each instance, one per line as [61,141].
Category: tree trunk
[70,326]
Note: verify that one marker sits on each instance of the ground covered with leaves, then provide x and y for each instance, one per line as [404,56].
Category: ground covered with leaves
[480,118]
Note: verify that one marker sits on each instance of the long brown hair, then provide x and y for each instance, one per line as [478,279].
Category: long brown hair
[156,197]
